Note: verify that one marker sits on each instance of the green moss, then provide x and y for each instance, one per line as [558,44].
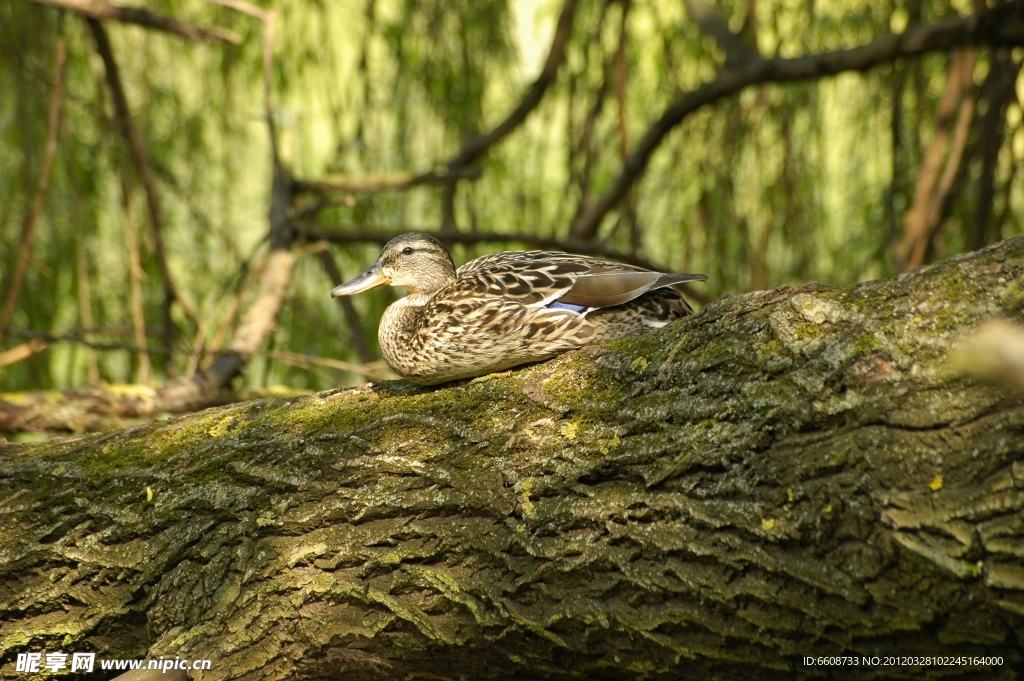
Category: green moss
[639,345]
[1012,299]
[866,343]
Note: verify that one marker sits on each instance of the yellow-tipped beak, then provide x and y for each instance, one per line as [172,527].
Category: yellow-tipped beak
[371,278]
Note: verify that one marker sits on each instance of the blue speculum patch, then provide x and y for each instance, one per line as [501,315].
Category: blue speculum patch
[566,306]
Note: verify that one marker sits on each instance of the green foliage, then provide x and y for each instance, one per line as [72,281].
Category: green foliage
[779,185]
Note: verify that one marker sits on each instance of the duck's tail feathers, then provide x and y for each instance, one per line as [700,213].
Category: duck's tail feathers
[615,288]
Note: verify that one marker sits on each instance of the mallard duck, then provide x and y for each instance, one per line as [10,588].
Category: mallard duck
[506,309]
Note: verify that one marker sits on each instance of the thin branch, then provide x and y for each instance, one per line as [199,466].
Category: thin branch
[257,322]
[470,238]
[374,371]
[242,6]
[364,76]
[82,269]
[479,145]
[939,167]
[999,90]
[135,278]
[140,158]
[94,9]
[249,276]
[261,315]
[28,228]
[448,224]
[23,351]
[898,152]
[671,63]
[355,324]
[204,222]
[260,318]
[619,62]
[585,147]
[1008,189]
[474,148]
[749,30]
[588,148]
[1003,25]
[72,338]
[198,346]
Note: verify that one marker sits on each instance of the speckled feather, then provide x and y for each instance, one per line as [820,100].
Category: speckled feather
[494,312]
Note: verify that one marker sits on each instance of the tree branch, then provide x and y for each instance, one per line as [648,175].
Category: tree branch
[243,7]
[1003,25]
[23,351]
[91,409]
[135,278]
[257,322]
[472,149]
[82,269]
[940,165]
[372,371]
[355,324]
[585,149]
[79,340]
[140,158]
[95,9]
[999,90]
[260,318]
[478,145]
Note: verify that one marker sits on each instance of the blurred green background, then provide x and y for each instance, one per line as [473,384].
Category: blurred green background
[779,185]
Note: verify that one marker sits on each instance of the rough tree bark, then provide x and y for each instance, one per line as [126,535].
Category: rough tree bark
[790,472]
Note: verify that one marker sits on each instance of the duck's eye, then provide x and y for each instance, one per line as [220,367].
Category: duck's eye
[407,250]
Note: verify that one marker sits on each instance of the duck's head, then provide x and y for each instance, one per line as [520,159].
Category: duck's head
[416,262]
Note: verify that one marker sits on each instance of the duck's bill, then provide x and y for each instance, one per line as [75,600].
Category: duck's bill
[371,278]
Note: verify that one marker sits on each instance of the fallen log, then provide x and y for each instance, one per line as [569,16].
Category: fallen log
[787,479]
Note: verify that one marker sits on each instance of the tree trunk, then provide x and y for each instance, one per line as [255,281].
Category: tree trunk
[789,473]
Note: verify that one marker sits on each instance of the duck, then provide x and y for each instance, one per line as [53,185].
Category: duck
[506,309]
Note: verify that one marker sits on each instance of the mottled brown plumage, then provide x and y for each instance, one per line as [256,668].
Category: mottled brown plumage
[506,309]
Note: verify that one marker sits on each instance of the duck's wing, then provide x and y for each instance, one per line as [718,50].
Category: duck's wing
[530,277]
[544,277]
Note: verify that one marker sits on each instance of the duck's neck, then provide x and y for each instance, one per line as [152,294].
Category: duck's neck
[400,343]
[416,299]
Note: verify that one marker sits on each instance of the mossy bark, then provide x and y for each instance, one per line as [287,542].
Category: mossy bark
[788,473]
